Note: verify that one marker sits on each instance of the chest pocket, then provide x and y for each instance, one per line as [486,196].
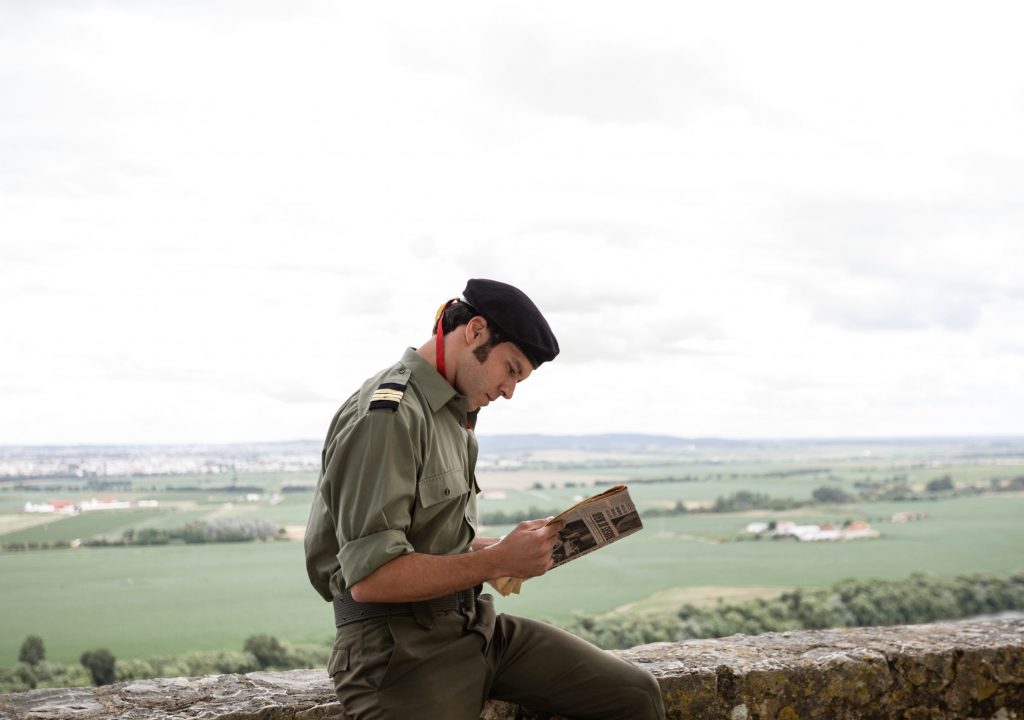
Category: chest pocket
[449,485]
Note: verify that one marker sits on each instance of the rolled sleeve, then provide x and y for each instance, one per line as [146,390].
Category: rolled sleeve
[362,556]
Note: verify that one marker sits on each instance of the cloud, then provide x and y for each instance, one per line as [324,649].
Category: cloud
[423,247]
[900,263]
[865,303]
[293,393]
[635,334]
[582,299]
[1011,348]
[605,84]
[232,233]
[618,234]
[160,372]
[10,389]
[575,61]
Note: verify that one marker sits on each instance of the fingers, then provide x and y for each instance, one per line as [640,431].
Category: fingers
[554,527]
[532,524]
[528,548]
[547,529]
[548,522]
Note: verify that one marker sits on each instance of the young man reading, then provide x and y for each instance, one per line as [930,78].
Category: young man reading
[391,540]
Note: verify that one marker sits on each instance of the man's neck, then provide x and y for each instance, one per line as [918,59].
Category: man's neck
[428,352]
[454,350]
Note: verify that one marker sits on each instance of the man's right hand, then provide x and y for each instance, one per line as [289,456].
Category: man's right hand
[523,553]
[526,551]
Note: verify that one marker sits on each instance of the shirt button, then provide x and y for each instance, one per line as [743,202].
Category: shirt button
[401,371]
[447,492]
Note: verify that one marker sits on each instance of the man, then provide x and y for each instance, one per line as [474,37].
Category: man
[392,542]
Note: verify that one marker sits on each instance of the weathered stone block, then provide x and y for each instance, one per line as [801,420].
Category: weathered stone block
[948,671]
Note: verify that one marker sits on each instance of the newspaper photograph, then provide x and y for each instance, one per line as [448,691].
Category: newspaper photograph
[594,523]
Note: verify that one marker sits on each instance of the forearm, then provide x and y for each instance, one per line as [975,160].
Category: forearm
[479,542]
[523,553]
[418,576]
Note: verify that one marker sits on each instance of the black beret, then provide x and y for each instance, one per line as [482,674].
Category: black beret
[515,316]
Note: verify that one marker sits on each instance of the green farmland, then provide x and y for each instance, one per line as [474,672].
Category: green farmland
[162,600]
[144,601]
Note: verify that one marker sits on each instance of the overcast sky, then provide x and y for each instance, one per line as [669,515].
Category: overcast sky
[741,219]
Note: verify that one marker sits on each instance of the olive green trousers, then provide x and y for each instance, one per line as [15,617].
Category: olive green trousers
[397,669]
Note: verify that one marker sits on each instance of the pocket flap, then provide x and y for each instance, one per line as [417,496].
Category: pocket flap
[339,660]
[439,488]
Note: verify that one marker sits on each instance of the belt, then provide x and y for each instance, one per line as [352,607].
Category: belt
[347,610]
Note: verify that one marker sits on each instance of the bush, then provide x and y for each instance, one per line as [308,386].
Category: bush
[940,484]
[830,496]
[100,664]
[54,675]
[32,650]
[267,650]
[134,669]
[745,500]
[220,662]
[13,680]
[308,656]
[237,530]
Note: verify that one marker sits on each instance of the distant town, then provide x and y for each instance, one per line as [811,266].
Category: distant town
[503,452]
[113,461]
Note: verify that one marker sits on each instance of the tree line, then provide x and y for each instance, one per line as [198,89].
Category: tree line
[198,532]
[850,603]
[893,488]
[100,667]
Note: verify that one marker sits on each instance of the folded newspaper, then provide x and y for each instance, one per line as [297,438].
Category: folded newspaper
[589,525]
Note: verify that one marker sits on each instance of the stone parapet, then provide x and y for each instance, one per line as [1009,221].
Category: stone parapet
[917,672]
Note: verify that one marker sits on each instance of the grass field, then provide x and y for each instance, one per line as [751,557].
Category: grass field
[92,524]
[962,535]
[712,481]
[144,601]
[147,601]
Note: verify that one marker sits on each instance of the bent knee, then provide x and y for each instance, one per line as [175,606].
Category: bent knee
[647,692]
[638,677]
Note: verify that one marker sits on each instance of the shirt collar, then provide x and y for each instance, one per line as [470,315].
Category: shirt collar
[436,389]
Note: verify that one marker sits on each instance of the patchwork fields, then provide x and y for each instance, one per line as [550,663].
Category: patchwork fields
[143,601]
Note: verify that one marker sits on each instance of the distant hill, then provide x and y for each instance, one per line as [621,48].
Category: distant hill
[707,447]
[611,442]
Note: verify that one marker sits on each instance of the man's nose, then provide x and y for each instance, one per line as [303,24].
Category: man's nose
[506,390]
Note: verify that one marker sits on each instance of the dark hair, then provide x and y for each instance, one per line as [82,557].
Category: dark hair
[458,314]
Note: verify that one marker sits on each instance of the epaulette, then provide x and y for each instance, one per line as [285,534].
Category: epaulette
[387,396]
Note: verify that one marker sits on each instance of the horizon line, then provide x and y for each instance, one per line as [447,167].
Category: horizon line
[701,438]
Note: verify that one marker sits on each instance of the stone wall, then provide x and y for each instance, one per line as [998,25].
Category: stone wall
[922,672]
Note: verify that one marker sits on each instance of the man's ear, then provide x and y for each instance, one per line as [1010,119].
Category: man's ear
[476,331]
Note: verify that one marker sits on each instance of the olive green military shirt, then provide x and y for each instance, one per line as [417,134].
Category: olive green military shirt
[396,476]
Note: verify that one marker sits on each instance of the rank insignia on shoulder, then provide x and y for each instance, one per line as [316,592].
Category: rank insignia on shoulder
[387,396]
